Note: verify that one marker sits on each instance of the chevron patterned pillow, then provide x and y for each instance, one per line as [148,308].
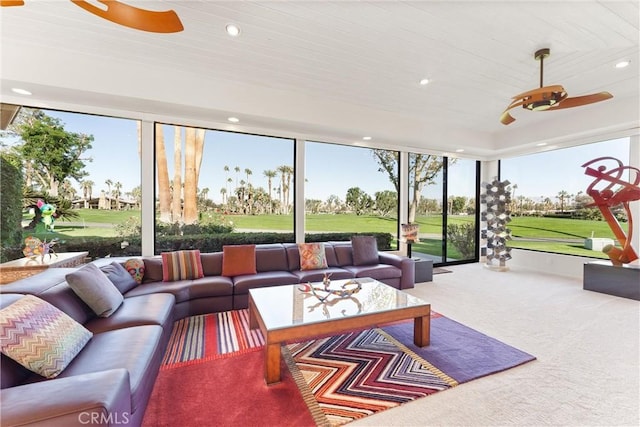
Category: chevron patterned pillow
[40,337]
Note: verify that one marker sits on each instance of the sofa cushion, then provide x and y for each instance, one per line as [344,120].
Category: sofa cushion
[378,272]
[40,337]
[181,265]
[312,256]
[187,290]
[137,349]
[336,273]
[365,250]
[152,269]
[135,267]
[152,309]
[95,289]
[242,284]
[271,257]
[238,260]
[120,277]
[64,298]
[212,263]
[343,253]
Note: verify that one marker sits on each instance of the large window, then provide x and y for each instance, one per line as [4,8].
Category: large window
[81,176]
[426,185]
[442,201]
[350,189]
[550,209]
[211,182]
[461,230]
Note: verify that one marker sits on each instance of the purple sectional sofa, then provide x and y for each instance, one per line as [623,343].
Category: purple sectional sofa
[110,381]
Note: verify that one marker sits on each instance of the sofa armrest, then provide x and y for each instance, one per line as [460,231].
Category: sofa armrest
[406,266]
[98,398]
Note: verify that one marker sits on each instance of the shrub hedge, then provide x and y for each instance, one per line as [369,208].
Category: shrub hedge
[113,246]
[10,208]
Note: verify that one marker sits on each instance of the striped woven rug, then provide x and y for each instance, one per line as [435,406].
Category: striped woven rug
[341,378]
[209,336]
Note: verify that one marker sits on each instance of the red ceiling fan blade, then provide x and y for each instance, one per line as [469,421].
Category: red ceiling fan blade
[582,100]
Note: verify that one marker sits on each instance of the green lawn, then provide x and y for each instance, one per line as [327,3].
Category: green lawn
[562,228]
[100,223]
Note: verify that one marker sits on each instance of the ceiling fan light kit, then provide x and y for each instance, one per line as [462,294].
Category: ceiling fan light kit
[546,98]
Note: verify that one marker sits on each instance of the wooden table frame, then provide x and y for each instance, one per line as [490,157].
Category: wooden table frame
[275,338]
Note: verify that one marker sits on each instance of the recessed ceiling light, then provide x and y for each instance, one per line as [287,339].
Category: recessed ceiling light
[541,144]
[424,82]
[460,150]
[233,119]
[20,91]
[622,64]
[233,30]
[366,138]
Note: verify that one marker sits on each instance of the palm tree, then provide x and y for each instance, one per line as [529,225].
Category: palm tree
[562,196]
[283,173]
[270,174]
[136,194]
[176,200]
[109,184]
[248,172]
[513,198]
[116,194]
[237,169]
[288,188]
[226,171]
[223,192]
[164,187]
[194,147]
[87,188]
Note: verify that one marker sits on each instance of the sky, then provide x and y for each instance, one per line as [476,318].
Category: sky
[330,168]
[559,170]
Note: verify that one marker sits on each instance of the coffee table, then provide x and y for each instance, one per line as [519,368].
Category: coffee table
[285,314]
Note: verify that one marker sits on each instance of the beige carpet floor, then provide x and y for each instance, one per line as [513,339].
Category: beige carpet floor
[587,345]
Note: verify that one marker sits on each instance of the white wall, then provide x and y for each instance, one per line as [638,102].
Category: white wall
[562,265]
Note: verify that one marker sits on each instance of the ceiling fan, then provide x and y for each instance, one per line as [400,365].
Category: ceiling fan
[546,98]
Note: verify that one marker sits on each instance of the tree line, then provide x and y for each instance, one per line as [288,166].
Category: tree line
[52,158]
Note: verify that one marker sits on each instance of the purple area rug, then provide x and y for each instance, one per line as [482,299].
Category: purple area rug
[462,353]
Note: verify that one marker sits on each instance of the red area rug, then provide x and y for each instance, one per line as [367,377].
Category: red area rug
[212,373]
[225,391]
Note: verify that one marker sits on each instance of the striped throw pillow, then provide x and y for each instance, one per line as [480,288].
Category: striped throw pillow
[312,256]
[40,337]
[181,265]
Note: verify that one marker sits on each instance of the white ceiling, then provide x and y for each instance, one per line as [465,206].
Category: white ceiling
[338,71]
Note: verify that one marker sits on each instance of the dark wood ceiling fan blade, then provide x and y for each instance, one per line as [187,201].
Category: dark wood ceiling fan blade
[540,90]
[582,100]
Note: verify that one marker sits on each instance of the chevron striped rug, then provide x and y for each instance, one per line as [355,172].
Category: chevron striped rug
[351,376]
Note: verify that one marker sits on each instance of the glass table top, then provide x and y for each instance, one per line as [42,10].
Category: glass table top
[288,305]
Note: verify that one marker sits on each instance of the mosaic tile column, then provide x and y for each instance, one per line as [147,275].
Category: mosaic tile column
[494,216]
